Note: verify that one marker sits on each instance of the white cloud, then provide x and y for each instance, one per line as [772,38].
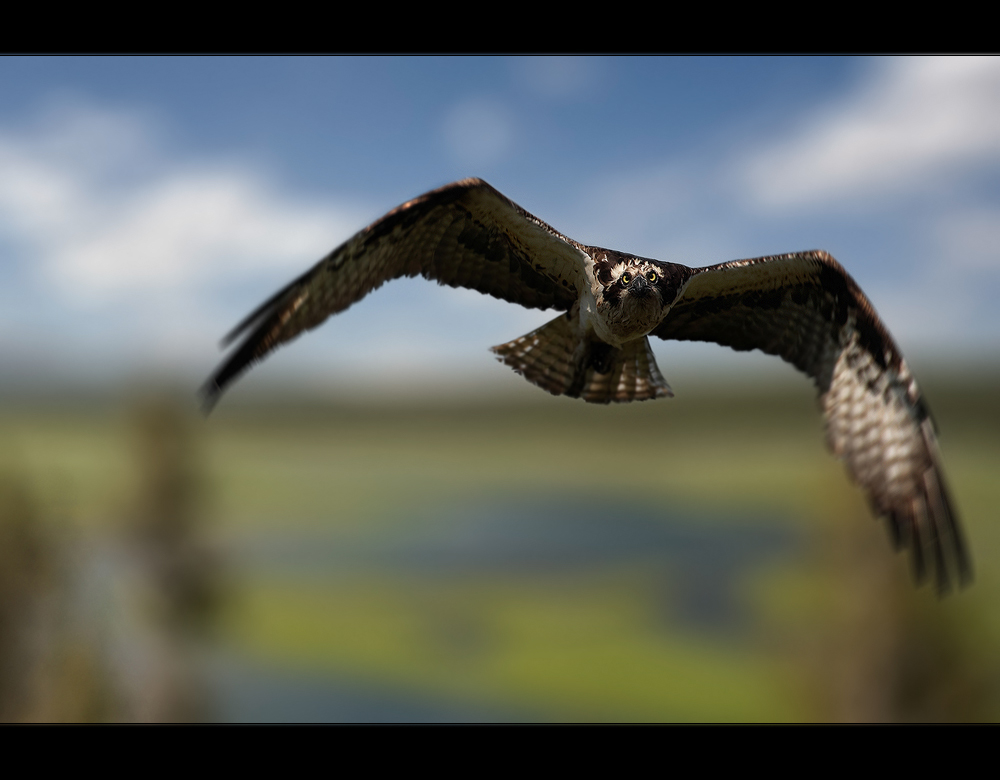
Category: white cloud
[126,260]
[930,266]
[101,216]
[918,117]
[189,228]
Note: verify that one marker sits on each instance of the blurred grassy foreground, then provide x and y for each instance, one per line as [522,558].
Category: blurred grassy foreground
[695,559]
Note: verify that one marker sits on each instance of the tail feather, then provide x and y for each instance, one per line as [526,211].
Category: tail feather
[545,357]
[556,358]
[634,376]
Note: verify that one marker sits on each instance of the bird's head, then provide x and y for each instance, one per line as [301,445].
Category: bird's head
[634,293]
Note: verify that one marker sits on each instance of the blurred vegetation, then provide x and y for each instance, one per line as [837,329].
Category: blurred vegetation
[180,574]
[60,658]
[318,507]
[48,669]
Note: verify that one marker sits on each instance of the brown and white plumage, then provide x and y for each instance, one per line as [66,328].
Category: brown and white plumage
[803,307]
[806,309]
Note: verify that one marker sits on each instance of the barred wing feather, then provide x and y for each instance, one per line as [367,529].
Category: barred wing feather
[806,309]
[466,234]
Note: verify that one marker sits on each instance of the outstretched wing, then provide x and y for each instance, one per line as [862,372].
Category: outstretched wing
[805,308]
[465,234]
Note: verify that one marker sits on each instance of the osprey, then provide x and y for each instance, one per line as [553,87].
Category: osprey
[803,307]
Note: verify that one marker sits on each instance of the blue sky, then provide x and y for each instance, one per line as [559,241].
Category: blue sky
[147,204]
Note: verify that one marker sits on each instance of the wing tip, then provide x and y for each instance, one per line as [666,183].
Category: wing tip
[245,356]
[929,529]
[949,543]
[250,351]
[209,395]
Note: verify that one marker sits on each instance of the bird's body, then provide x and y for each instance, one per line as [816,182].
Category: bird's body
[803,307]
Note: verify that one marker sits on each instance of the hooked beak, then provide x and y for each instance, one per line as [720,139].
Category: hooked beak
[640,287]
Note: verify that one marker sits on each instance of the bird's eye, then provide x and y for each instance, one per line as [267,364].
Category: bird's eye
[652,276]
[626,277]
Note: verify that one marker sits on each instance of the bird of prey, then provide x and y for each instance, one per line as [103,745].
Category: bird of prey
[803,307]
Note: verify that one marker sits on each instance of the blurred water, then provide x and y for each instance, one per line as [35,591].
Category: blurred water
[249,692]
[703,557]
[455,599]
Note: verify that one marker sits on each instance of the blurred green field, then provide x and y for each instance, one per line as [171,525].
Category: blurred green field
[333,499]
